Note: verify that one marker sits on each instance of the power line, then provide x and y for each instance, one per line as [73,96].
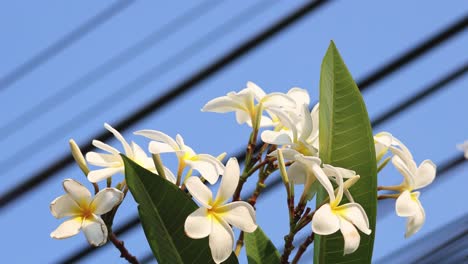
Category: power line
[185,85]
[109,66]
[417,51]
[444,168]
[63,43]
[137,84]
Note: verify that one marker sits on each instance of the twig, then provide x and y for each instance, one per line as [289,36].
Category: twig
[123,250]
[240,243]
[303,248]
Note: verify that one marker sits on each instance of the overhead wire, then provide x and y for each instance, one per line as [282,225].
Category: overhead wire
[64,42]
[109,66]
[187,84]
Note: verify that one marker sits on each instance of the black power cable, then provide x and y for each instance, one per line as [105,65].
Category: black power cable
[184,86]
[109,101]
[63,43]
[111,65]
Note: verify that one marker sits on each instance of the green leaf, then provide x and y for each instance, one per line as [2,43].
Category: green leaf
[346,141]
[260,249]
[163,209]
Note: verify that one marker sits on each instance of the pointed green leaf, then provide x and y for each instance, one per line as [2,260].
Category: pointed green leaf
[260,249]
[346,141]
[163,209]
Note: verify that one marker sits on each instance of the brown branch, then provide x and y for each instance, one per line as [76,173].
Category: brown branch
[303,248]
[123,250]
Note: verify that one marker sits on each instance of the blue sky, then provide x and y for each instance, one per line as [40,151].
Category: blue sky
[367,33]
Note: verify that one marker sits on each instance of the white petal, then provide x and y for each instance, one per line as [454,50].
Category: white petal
[64,206]
[351,236]
[103,160]
[77,192]
[297,173]
[102,174]
[229,181]
[158,136]
[299,95]
[256,90]
[277,137]
[278,100]
[406,205]
[286,121]
[288,154]
[156,147]
[198,224]
[307,125]
[199,191]
[243,117]
[101,145]
[415,222]
[95,230]
[67,229]
[313,163]
[221,240]
[402,167]
[206,168]
[106,199]
[396,142]
[216,162]
[138,153]
[425,174]
[324,221]
[223,104]
[239,214]
[354,213]
[169,175]
[127,148]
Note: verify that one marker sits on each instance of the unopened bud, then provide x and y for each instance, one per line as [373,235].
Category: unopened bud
[78,156]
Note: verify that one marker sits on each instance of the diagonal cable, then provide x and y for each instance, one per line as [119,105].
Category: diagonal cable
[63,43]
[111,65]
[184,86]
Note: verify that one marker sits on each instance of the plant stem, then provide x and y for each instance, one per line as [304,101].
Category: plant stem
[123,250]
[387,196]
[303,248]
[240,243]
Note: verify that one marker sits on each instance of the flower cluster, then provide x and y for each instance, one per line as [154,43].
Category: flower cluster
[288,126]
[414,178]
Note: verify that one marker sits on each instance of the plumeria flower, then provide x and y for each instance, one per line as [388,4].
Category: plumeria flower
[332,216]
[83,211]
[214,216]
[407,203]
[464,147]
[243,104]
[208,166]
[304,171]
[384,142]
[112,161]
[298,133]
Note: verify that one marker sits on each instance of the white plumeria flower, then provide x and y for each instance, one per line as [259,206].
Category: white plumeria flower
[112,161]
[214,216]
[298,132]
[408,204]
[331,217]
[304,171]
[384,141]
[208,166]
[243,104]
[464,147]
[83,211]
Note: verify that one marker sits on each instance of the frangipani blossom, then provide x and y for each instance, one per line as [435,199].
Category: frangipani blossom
[298,133]
[214,217]
[304,171]
[464,147]
[83,211]
[113,162]
[332,216]
[385,141]
[208,166]
[243,104]
[408,204]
